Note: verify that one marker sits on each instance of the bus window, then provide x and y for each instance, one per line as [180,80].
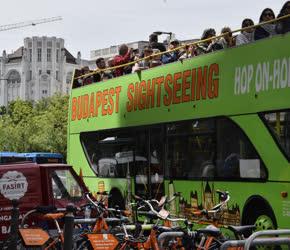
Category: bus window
[190,149]
[279,124]
[149,174]
[236,156]
[109,153]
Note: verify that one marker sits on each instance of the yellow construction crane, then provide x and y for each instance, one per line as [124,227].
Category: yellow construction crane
[29,23]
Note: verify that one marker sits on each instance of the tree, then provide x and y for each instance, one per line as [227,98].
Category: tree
[28,127]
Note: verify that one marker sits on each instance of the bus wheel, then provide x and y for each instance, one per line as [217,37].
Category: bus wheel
[264,222]
[258,212]
[116,199]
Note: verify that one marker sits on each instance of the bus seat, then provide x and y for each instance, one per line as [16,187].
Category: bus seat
[208,170]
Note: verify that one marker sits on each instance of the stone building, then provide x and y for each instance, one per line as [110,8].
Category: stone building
[111,51]
[40,68]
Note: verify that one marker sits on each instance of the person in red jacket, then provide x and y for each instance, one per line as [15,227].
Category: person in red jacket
[123,57]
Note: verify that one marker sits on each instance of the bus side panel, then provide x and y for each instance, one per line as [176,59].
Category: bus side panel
[201,194]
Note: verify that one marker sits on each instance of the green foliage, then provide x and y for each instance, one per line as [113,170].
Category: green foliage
[28,127]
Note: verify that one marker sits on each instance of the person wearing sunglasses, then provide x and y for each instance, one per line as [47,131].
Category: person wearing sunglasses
[283,26]
[268,29]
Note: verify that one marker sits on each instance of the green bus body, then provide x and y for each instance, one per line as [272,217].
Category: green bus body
[240,85]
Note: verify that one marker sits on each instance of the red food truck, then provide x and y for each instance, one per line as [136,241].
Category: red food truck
[34,185]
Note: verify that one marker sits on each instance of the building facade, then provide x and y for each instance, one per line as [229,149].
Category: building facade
[39,69]
[112,51]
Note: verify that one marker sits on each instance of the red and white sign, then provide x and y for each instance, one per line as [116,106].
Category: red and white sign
[13,185]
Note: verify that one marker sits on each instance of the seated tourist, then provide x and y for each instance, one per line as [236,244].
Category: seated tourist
[156,59]
[188,52]
[172,55]
[283,26]
[101,64]
[209,45]
[144,64]
[268,29]
[87,79]
[227,40]
[246,36]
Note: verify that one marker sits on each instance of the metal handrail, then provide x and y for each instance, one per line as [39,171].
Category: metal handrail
[265,233]
[180,47]
[256,242]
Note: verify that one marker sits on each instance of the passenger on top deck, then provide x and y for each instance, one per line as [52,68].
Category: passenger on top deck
[268,29]
[246,36]
[123,57]
[210,45]
[283,26]
[156,59]
[171,56]
[144,64]
[188,52]
[147,52]
[88,79]
[104,75]
[154,44]
[227,41]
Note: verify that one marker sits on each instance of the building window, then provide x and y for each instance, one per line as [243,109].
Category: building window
[39,55]
[49,44]
[105,51]
[30,75]
[56,75]
[69,77]
[48,72]
[39,44]
[57,55]
[40,72]
[49,55]
[29,44]
[113,50]
[44,91]
[14,77]
[30,55]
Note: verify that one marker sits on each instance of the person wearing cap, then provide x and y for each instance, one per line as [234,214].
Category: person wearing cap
[154,44]
[171,56]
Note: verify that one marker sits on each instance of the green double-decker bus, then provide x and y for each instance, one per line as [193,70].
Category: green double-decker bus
[216,121]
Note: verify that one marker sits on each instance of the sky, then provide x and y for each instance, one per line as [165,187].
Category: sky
[94,24]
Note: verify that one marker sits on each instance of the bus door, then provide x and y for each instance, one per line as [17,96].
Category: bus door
[149,173]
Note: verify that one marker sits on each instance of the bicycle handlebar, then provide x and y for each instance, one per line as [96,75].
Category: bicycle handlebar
[162,214]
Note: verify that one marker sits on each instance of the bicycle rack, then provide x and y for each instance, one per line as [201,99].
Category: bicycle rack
[252,241]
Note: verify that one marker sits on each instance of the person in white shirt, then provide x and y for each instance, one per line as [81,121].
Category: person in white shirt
[246,36]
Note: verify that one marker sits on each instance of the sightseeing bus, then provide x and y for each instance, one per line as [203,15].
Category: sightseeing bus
[37,157]
[215,121]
